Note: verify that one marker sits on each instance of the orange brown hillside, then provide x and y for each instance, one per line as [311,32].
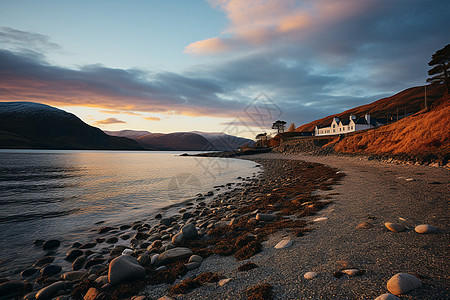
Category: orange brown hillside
[424,133]
[410,101]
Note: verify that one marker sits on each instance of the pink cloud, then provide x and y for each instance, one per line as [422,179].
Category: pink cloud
[109,121]
[258,23]
[152,118]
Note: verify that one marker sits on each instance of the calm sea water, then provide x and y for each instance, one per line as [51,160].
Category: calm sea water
[48,194]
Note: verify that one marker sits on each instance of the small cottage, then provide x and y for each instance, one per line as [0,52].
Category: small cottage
[351,124]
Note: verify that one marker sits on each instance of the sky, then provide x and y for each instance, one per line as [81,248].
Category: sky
[232,66]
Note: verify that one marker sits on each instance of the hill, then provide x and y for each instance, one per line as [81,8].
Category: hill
[184,141]
[424,135]
[38,126]
[410,101]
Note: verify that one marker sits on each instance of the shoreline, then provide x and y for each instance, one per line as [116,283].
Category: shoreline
[283,269]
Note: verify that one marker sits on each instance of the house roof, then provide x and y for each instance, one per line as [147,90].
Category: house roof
[345,122]
[362,121]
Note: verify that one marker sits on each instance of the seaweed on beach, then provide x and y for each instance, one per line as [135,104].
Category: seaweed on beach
[191,283]
[260,292]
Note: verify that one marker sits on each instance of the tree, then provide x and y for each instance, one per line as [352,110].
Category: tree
[291,128]
[441,70]
[262,139]
[279,126]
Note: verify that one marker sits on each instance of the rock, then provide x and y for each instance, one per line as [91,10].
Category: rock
[158,216]
[222,282]
[102,280]
[178,239]
[14,288]
[51,244]
[189,231]
[112,240]
[310,275]
[402,283]
[92,294]
[78,263]
[73,254]
[352,272]
[28,272]
[50,291]
[93,262]
[88,245]
[124,227]
[125,237]
[139,298]
[166,221]
[195,258]
[44,261]
[320,219]
[124,268]
[395,227]
[364,225]
[192,265]
[283,244]
[73,276]
[141,236]
[265,217]
[50,270]
[105,229]
[172,255]
[154,258]
[127,252]
[187,215]
[387,296]
[144,259]
[425,228]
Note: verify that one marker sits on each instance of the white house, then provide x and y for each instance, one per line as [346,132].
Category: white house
[350,125]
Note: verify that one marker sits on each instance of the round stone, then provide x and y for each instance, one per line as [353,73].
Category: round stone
[310,275]
[425,228]
[189,231]
[364,225]
[265,217]
[50,270]
[402,283]
[395,227]
[73,254]
[283,244]
[124,268]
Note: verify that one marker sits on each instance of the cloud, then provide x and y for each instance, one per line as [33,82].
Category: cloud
[116,112]
[313,58]
[109,121]
[14,39]
[152,118]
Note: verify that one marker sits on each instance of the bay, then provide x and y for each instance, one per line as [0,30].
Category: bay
[56,194]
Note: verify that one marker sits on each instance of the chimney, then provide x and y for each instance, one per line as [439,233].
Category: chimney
[367,116]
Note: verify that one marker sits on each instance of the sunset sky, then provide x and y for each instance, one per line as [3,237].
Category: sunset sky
[231,66]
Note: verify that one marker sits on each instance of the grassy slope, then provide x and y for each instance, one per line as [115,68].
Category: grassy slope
[412,99]
[424,133]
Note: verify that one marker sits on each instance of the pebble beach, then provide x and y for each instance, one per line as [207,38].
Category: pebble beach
[308,227]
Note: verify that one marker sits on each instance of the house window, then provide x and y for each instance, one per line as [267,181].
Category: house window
[334,125]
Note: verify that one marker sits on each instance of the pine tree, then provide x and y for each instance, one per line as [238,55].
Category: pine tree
[441,70]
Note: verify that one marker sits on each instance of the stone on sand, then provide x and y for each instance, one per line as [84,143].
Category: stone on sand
[172,255]
[387,296]
[402,283]
[364,225]
[395,227]
[425,228]
[284,244]
[310,275]
[124,268]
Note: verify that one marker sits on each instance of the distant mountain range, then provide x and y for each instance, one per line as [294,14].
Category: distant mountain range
[196,141]
[38,126]
[30,125]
